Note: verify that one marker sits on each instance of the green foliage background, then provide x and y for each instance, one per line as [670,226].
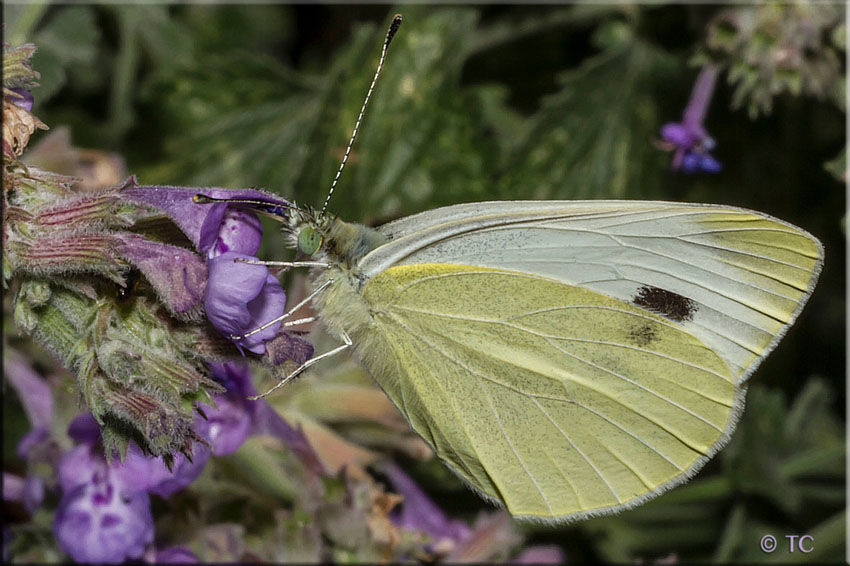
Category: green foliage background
[477,103]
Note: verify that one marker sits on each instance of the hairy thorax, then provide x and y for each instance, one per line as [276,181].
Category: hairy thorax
[341,305]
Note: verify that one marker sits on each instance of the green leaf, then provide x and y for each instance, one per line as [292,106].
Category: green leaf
[838,166]
[593,139]
[20,19]
[422,145]
[69,40]
[71,34]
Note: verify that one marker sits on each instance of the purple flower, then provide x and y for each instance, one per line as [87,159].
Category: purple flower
[548,554]
[94,523]
[238,297]
[493,535]
[176,555]
[235,377]
[418,512]
[265,420]
[99,518]
[241,297]
[84,429]
[237,231]
[688,139]
[141,472]
[138,471]
[33,391]
[37,447]
[197,221]
[227,425]
[33,442]
[29,490]
[22,97]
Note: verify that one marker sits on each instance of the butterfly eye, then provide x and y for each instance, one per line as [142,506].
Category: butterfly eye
[309,241]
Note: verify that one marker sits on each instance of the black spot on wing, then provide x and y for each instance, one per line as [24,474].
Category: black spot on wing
[666,303]
[643,335]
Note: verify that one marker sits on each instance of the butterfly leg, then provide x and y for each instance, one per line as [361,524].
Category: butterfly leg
[287,314]
[305,320]
[312,361]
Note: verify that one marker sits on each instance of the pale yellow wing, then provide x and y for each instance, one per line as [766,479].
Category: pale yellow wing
[556,400]
[734,278]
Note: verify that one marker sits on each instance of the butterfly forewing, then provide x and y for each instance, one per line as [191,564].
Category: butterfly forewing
[734,278]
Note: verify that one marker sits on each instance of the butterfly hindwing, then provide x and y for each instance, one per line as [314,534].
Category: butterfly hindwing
[558,400]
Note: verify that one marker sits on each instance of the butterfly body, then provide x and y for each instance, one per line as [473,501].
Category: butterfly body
[564,358]
[341,245]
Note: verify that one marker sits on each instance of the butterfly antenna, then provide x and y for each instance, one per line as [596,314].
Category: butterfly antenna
[394,25]
[273,209]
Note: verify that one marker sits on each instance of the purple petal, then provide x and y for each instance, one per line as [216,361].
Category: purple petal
[418,512]
[13,487]
[690,138]
[241,297]
[226,427]
[492,535]
[176,555]
[237,231]
[33,493]
[549,554]
[177,203]
[22,98]
[95,524]
[80,466]
[84,429]
[700,163]
[141,472]
[268,305]
[235,376]
[701,96]
[710,165]
[29,490]
[211,225]
[690,163]
[32,441]
[680,135]
[33,391]
[185,472]
[678,158]
[268,421]
[178,275]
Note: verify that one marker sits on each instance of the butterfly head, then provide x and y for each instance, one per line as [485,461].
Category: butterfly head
[309,231]
[324,237]
[309,240]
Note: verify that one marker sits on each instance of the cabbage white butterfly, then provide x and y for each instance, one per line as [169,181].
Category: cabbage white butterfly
[564,358]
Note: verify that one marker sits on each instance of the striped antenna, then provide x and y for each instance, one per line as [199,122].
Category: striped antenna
[270,208]
[390,34]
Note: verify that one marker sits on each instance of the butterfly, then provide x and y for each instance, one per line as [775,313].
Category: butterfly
[563,358]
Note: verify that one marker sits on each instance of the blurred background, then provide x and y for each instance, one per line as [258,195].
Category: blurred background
[482,103]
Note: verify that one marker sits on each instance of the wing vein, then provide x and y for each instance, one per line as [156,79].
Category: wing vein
[579,450]
[489,401]
[569,338]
